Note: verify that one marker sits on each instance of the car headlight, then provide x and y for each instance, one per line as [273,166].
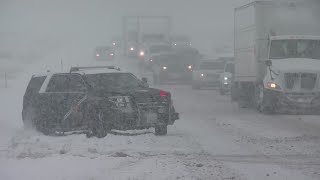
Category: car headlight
[141,53]
[97,55]
[164,68]
[226,78]
[119,101]
[272,85]
[131,49]
[111,54]
[202,75]
[114,43]
[190,67]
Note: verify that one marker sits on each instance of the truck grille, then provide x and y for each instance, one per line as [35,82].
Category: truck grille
[300,80]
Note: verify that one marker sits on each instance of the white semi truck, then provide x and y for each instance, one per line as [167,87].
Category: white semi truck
[277,56]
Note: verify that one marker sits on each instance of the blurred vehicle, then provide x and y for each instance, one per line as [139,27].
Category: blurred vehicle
[104,53]
[226,78]
[180,41]
[226,59]
[207,74]
[132,50]
[278,68]
[95,100]
[173,67]
[116,42]
[141,30]
[150,50]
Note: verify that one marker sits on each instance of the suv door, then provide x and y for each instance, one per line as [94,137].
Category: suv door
[62,103]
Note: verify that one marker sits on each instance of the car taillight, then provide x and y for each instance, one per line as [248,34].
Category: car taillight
[163,94]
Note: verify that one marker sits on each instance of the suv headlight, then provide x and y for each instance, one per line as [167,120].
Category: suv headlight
[119,101]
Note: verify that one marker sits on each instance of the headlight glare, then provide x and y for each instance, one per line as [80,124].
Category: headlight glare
[272,85]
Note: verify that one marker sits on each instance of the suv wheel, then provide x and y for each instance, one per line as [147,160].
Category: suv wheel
[161,130]
[99,127]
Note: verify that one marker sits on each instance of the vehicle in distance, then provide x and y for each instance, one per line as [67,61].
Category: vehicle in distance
[104,53]
[180,41]
[153,49]
[226,78]
[94,100]
[207,74]
[173,68]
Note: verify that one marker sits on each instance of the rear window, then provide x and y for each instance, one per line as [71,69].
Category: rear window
[230,68]
[35,84]
[66,84]
[33,87]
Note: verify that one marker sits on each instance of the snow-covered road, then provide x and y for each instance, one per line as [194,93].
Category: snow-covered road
[213,139]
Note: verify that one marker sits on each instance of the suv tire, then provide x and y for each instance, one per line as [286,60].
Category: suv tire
[161,130]
[99,128]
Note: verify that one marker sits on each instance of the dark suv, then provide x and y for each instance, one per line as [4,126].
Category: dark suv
[94,100]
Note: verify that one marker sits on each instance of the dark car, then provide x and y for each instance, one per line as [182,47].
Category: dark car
[94,100]
[104,53]
[173,67]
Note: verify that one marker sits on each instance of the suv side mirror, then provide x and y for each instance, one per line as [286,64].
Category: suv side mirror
[268,63]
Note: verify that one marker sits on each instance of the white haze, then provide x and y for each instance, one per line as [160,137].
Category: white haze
[41,25]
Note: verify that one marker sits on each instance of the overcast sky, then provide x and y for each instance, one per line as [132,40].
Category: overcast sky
[207,22]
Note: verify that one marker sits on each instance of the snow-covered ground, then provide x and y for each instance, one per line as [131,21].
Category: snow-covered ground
[213,139]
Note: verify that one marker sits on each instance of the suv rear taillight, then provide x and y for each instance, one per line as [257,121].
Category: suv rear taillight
[163,94]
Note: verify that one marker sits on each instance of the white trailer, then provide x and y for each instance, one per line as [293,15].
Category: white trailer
[265,71]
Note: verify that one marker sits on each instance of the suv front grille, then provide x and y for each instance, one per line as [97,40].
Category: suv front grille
[143,98]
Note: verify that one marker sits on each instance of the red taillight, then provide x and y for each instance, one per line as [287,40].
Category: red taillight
[163,94]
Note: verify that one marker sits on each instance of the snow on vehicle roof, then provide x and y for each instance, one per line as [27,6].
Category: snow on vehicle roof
[306,37]
[98,71]
[43,74]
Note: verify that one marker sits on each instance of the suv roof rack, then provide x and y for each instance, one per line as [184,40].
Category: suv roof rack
[73,69]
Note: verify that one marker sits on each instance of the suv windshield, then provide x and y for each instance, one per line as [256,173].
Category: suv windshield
[284,49]
[211,66]
[113,81]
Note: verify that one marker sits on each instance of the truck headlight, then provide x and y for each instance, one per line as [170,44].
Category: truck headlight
[119,101]
[272,85]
